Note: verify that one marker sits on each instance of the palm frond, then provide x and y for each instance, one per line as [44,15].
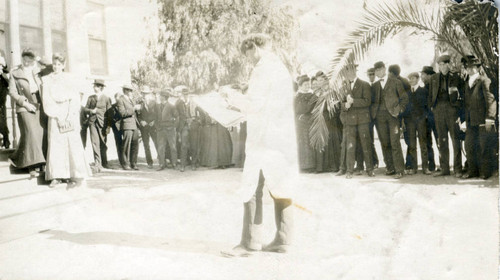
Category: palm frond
[469,22]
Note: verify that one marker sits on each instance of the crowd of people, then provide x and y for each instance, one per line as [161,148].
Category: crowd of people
[55,121]
[456,104]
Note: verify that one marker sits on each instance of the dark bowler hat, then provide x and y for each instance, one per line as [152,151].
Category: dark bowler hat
[473,62]
[28,53]
[127,87]
[99,82]
[370,71]
[466,58]
[378,64]
[444,59]
[428,70]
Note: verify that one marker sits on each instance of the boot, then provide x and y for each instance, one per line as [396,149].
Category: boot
[252,226]
[250,233]
[283,211]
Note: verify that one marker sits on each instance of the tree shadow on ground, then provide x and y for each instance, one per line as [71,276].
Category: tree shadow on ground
[123,239]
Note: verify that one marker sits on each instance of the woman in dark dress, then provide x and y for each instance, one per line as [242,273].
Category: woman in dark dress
[216,145]
[24,89]
[304,104]
[329,157]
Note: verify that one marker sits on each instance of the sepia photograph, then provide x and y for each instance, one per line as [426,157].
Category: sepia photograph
[249,140]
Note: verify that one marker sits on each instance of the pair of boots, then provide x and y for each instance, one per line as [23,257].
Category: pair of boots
[252,227]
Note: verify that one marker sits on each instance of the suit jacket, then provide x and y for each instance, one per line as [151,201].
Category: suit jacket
[19,88]
[395,97]
[453,81]
[168,116]
[359,112]
[417,107]
[103,105]
[115,116]
[182,111]
[147,112]
[127,113]
[480,103]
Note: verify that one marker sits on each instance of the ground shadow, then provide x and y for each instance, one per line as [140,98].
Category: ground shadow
[124,239]
[421,179]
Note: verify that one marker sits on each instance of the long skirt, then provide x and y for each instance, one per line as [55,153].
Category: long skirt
[217,147]
[65,154]
[29,153]
[307,158]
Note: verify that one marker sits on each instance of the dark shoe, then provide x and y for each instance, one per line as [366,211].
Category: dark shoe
[411,172]
[427,172]
[126,167]
[390,172]
[432,166]
[358,172]
[182,168]
[134,167]
[484,177]
[468,175]
[370,173]
[458,174]
[349,175]
[340,173]
[398,175]
[163,167]
[441,173]
[6,144]
[375,165]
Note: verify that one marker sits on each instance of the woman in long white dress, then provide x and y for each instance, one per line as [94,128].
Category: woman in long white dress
[65,154]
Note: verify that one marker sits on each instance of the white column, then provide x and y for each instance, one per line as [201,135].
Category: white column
[46,29]
[15,54]
[15,46]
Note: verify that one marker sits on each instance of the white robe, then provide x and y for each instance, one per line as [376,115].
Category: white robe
[65,153]
[271,144]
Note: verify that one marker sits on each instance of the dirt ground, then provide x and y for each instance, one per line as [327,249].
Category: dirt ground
[171,225]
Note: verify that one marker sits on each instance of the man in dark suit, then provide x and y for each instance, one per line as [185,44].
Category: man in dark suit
[147,116]
[445,102]
[96,108]
[480,114]
[167,123]
[416,125]
[128,125]
[394,72]
[371,77]
[183,127]
[357,120]
[389,103]
[426,73]
[116,119]
[4,91]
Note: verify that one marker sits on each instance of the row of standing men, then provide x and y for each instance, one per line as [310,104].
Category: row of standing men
[181,132]
[443,103]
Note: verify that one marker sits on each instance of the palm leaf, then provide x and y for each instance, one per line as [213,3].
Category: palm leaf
[385,20]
